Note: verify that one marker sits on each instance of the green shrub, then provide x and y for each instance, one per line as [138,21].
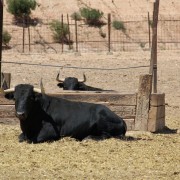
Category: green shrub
[60,31]
[6,37]
[76,16]
[92,16]
[151,23]
[21,8]
[119,25]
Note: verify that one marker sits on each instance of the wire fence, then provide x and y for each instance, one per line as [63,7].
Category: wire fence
[38,38]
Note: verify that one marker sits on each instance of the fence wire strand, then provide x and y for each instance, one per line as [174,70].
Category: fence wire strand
[73,67]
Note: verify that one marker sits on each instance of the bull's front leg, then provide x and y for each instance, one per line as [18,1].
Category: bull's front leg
[48,132]
[22,137]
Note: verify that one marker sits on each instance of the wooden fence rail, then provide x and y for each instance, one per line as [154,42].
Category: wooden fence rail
[142,111]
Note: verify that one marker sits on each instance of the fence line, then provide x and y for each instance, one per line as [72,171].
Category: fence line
[72,67]
[38,38]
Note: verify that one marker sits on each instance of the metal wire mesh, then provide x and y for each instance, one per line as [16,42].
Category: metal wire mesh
[94,39]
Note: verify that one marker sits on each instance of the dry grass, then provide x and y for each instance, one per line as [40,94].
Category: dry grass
[154,156]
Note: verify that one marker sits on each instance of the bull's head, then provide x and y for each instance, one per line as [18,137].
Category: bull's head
[24,96]
[70,83]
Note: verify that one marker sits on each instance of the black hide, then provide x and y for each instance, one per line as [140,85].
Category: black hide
[45,118]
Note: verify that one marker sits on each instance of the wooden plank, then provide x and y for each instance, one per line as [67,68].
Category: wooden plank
[130,124]
[156,112]
[160,124]
[127,112]
[143,101]
[7,111]
[156,124]
[156,119]
[5,80]
[9,121]
[157,99]
[121,99]
[4,101]
[124,111]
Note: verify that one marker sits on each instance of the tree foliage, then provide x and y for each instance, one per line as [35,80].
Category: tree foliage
[6,37]
[119,25]
[60,31]
[92,16]
[21,8]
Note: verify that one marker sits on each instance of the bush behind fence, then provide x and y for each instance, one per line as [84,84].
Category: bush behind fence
[137,36]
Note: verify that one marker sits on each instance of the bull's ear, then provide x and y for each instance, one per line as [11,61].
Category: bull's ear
[37,96]
[9,95]
[60,85]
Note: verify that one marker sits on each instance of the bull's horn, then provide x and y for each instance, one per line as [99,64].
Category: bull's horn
[6,91]
[37,90]
[42,87]
[82,80]
[59,80]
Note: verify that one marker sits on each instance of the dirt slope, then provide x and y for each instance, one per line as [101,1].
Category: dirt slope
[118,8]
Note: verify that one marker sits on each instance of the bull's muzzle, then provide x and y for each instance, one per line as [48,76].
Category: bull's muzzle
[21,115]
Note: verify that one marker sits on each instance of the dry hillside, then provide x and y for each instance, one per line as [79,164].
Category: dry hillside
[118,8]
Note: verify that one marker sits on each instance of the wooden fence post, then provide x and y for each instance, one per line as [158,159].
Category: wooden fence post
[69,37]
[1,32]
[156,121]
[62,33]
[149,29]
[143,102]
[29,38]
[153,62]
[109,32]
[76,35]
[23,34]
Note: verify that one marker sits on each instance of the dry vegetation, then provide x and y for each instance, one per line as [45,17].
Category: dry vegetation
[152,156]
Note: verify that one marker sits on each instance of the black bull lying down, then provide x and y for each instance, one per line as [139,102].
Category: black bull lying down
[46,118]
[72,83]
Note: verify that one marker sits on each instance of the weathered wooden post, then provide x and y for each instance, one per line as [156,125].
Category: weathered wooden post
[23,33]
[149,29]
[109,32]
[69,37]
[156,121]
[153,62]
[1,32]
[76,35]
[29,38]
[143,102]
[62,24]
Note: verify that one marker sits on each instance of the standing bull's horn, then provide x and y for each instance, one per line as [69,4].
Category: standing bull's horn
[59,79]
[42,87]
[82,80]
[37,90]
